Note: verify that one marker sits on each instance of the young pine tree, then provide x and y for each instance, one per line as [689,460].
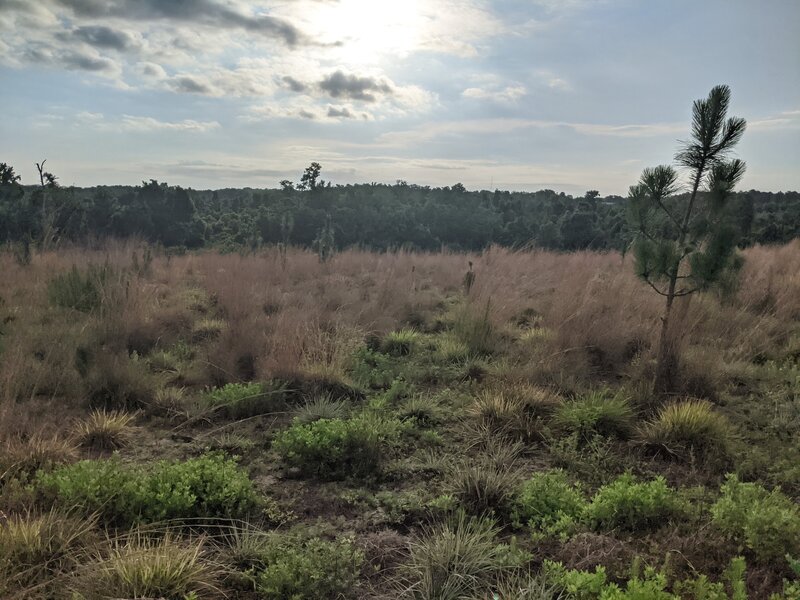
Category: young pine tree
[686,243]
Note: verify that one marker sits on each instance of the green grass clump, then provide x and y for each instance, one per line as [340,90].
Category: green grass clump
[400,343]
[141,566]
[475,329]
[79,290]
[688,428]
[36,549]
[457,558]
[321,407]
[313,569]
[765,522]
[244,400]
[207,486]
[484,487]
[548,503]
[338,448]
[632,505]
[596,413]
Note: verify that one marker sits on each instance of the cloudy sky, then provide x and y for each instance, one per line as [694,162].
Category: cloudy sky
[514,94]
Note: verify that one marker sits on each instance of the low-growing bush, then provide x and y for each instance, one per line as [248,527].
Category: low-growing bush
[104,430]
[208,486]
[143,566]
[312,569]
[400,343]
[688,428]
[632,505]
[244,400]
[765,522]
[548,503]
[24,456]
[596,413]
[338,448]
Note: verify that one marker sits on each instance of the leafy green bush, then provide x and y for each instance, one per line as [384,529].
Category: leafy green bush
[587,585]
[338,448]
[244,400]
[687,428]
[207,486]
[597,413]
[768,523]
[631,505]
[372,369]
[313,569]
[400,343]
[78,290]
[548,503]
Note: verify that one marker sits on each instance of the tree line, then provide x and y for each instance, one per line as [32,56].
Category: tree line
[313,213]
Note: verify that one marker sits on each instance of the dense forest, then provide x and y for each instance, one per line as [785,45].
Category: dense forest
[375,216]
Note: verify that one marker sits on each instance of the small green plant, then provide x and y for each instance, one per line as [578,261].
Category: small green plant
[632,505]
[208,486]
[688,428]
[548,503]
[243,400]
[596,413]
[400,343]
[105,430]
[588,585]
[765,522]
[79,290]
[207,329]
[312,569]
[372,369]
[338,448]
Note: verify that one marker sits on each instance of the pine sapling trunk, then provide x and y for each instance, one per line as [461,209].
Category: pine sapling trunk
[667,360]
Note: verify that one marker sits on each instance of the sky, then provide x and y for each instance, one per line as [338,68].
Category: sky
[569,95]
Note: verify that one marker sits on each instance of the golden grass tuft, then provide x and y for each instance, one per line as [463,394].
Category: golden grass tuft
[105,430]
[142,565]
[688,427]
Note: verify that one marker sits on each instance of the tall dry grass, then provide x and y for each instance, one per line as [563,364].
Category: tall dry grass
[592,316]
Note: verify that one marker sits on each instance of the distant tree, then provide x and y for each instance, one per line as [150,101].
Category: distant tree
[46,179]
[325,242]
[287,184]
[459,188]
[686,243]
[310,180]
[7,174]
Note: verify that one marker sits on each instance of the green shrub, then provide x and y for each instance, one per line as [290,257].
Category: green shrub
[78,290]
[684,429]
[372,369]
[245,400]
[338,448]
[548,503]
[207,486]
[631,505]
[767,523]
[596,413]
[586,585]
[400,343]
[313,569]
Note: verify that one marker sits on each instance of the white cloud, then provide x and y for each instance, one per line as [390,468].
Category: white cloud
[510,93]
[140,124]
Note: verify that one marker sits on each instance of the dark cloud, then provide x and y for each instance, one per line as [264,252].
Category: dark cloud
[68,59]
[342,85]
[294,85]
[85,62]
[105,37]
[340,112]
[190,85]
[307,115]
[206,12]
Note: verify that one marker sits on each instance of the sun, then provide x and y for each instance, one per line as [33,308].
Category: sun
[368,31]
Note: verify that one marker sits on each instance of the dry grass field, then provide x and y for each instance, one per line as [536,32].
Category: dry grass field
[384,425]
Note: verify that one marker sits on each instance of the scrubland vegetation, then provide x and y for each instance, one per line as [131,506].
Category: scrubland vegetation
[383,425]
